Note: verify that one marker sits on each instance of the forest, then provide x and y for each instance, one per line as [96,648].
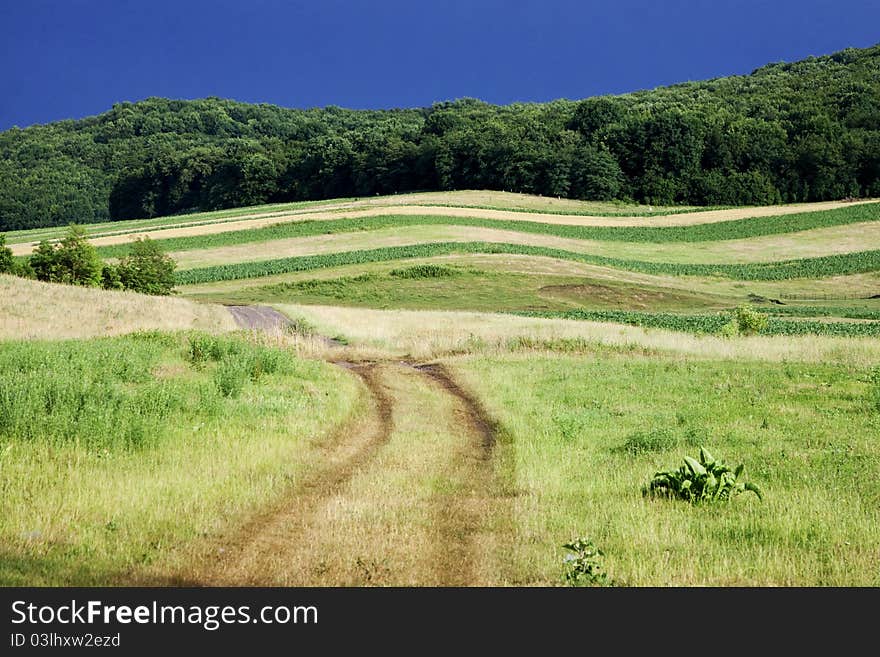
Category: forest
[787,132]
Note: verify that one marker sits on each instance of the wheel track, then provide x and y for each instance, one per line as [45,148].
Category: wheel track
[248,556]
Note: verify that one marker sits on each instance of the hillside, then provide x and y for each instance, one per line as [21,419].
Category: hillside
[790,132]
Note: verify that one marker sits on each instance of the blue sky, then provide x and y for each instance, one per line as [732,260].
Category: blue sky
[74,58]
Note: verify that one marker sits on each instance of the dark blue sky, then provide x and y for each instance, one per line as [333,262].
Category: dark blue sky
[74,58]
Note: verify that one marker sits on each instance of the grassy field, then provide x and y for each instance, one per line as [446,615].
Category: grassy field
[118,454]
[805,433]
[470,380]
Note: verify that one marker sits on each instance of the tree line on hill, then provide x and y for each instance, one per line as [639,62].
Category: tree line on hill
[803,131]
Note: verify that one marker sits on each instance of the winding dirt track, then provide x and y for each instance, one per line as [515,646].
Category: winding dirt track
[304,539]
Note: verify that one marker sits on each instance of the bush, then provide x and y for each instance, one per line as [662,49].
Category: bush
[147,268]
[749,321]
[110,278]
[73,260]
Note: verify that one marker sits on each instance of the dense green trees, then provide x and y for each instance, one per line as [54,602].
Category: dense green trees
[804,131]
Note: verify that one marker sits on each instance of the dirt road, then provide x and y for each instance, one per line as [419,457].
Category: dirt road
[402,497]
[405,494]
[259,317]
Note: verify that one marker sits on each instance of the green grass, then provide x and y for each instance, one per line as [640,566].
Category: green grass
[442,287]
[805,433]
[118,453]
[819,267]
[724,230]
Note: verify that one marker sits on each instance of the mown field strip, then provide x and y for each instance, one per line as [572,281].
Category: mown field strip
[728,230]
[834,265]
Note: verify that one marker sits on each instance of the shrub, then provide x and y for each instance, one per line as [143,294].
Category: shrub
[729,330]
[706,480]
[147,268]
[749,321]
[110,278]
[73,260]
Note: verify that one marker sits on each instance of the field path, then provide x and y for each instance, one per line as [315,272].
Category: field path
[400,496]
[258,317]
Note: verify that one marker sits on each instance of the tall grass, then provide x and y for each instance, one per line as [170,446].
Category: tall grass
[119,454]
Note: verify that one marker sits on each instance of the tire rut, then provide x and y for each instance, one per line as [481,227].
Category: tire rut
[458,518]
[256,550]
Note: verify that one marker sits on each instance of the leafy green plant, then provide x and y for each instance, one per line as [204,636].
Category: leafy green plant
[714,323]
[424,271]
[703,480]
[584,564]
[147,268]
[7,262]
[202,348]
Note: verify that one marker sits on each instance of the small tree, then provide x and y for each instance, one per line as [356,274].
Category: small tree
[147,268]
[42,262]
[7,262]
[72,261]
[78,262]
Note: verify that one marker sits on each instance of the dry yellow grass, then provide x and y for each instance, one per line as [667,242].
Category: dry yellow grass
[31,309]
[429,334]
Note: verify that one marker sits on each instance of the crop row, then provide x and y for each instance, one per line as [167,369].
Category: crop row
[723,230]
[711,323]
[846,263]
